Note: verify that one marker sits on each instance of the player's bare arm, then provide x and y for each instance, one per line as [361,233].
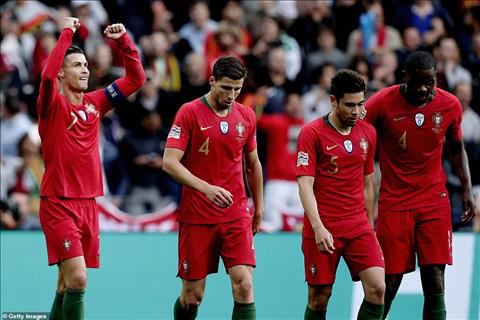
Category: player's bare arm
[323,237]
[369,189]
[172,165]
[255,185]
[459,159]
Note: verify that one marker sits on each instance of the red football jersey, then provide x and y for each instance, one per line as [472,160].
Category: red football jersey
[69,132]
[410,146]
[282,133]
[339,164]
[214,148]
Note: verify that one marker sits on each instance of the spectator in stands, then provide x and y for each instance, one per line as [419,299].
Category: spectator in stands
[316,102]
[142,149]
[274,78]
[450,72]
[93,17]
[411,42]
[15,122]
[384,73]
[164,63]
[270,35]
[359,63]
[225,41]
[473,65]
[373,37]
[327,52]
[281,189]
[234,13]
[101,73]
[200,25]
[431,20]
[346,15]
[194,80]
[313,15]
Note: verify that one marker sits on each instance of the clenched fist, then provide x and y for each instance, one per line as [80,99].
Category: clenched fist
[71,23]
[115,31]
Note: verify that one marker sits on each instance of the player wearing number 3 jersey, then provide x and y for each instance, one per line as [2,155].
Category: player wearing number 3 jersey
[205,149]
[335,178]
[412,122]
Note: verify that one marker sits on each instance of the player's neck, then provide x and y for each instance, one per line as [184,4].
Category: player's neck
[74,97]
[215,107]
[338,125]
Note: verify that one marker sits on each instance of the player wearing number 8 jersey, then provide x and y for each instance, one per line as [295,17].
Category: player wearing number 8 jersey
[412,121]
[335,178]
[205,149]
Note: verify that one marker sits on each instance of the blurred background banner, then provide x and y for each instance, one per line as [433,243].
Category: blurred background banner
[137,280]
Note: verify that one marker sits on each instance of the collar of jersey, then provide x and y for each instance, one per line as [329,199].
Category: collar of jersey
[204,100]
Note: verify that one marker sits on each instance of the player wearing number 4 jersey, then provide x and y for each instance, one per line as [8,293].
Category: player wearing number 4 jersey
[68,126]
[205,149]
[412,121]
[335,178]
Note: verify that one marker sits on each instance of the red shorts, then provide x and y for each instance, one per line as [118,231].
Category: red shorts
[200,246]
[360,252]
[424,231]
[71,229]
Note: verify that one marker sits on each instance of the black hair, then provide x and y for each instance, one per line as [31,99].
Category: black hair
[229,67]
[73,49]
[346,81]
[420,60]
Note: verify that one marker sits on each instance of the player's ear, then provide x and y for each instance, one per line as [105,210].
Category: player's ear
[212,80]
[61,73]
[333,101]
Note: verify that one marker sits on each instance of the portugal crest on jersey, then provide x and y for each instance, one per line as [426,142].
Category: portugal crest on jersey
[348,146]
[90,109]
[240,127]
[364,145]
[419,119]
[437,119]
[224,127]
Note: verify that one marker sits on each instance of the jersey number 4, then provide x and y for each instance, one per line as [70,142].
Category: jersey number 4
[402,142]
[204,147]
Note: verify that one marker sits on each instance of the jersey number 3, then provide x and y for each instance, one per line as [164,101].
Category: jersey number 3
[204,147]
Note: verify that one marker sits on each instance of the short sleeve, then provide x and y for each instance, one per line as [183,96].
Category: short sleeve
[455,129]
[372,146]
[306,153]
[181,130]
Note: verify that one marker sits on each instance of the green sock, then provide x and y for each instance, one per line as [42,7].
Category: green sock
[434,307]
[73,304]
[244,311]
[311,314]
[386,308]
[370,311]
[179,313]
[56,311]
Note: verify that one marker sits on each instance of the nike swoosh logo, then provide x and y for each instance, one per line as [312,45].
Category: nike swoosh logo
[205,128]
[331,147]
[398,118]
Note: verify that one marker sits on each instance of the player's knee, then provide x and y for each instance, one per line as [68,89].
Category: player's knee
[243,288]
[193,297]
[375,292]
[319,300]
[77,279]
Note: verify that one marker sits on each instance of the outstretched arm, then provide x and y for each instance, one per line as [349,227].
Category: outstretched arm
[54,63]
[134,74]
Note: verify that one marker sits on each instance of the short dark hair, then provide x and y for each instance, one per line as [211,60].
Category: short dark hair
[346,81]
[229,67]
[73,49]
[420,60]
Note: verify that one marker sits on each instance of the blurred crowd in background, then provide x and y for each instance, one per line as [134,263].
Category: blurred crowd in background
[291,49]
